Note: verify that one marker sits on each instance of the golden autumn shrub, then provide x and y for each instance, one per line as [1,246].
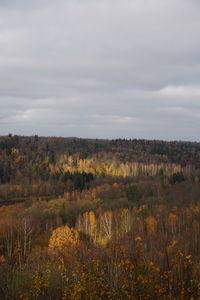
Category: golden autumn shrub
[62,240]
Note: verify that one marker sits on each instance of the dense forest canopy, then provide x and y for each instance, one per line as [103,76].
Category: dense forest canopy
[147,151]
[99,219]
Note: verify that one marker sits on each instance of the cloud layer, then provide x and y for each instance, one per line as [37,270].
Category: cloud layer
[105,69]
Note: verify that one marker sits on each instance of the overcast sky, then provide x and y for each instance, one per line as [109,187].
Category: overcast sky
[100,68]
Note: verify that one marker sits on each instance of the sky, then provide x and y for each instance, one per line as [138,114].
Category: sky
[100,68]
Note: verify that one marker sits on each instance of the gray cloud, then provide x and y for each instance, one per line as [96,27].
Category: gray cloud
[123,68]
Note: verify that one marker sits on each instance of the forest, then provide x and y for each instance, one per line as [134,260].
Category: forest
[88,219]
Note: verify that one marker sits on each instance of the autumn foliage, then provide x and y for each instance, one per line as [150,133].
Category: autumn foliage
[97,219]
[62,240]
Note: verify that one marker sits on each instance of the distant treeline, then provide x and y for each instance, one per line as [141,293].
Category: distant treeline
[146,151]
[51,165]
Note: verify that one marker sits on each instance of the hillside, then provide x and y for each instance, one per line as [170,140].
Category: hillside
[99,219]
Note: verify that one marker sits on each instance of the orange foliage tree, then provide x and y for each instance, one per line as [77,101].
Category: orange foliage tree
[62,239]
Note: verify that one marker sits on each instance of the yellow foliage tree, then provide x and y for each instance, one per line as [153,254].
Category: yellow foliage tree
[87,224]
[172,219]
[151,226]
[172,222]
[14,151]
[62,240]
